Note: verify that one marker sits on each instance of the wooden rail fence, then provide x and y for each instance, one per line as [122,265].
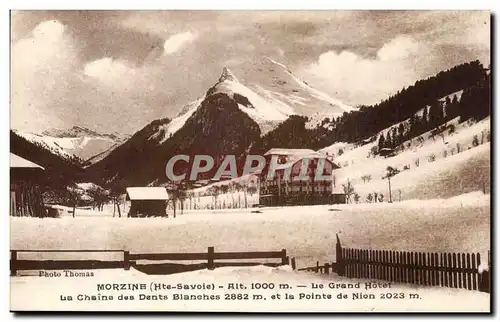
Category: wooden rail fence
[131,260]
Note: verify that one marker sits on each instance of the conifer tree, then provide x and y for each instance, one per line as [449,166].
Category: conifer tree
[381,142]
[425,117]
[388,140]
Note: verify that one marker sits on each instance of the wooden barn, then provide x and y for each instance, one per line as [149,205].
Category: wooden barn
[147,201]
[25,193]
[286,187]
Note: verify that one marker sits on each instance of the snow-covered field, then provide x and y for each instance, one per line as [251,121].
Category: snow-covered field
[307,233]
[35,293]
[458,224]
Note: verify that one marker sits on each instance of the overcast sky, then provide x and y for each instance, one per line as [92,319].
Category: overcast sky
[119,70]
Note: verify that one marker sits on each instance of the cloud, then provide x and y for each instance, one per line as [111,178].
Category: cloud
[117,70]
[109,71]
[39,67]
[178,41]
[361,80]
[398,48]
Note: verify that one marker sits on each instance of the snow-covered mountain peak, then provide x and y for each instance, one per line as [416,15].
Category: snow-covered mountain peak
[312,91]
[227,75]
[266,90]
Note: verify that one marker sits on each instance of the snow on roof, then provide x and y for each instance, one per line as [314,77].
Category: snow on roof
[307,157]
[18,162]
[147,193]
[301,152]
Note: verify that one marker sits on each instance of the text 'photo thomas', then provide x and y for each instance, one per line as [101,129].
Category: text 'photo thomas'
[266,161]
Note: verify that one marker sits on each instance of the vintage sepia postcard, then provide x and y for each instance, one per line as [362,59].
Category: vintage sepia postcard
[250,161]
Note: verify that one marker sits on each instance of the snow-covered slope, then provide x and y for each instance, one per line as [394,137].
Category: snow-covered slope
[266,112]
[52,144]
[77,141]
[274,80]
[426,163]
[169,129]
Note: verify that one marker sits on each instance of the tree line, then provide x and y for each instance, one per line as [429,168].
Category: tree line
[474,104]
[369,120]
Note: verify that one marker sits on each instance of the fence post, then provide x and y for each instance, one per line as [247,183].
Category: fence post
[13,263]
[340,261]
[283,257]
[294,264]
[211,253]
[126,260]
[484,277]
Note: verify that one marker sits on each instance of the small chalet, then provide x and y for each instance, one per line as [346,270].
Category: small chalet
[147,201]
[287,188]
[386,152]
[25,192]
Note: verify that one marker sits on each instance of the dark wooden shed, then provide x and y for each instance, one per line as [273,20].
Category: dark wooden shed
[147,201]
[25,192]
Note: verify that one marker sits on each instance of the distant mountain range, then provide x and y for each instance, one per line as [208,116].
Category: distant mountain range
[76,141]
[78,132]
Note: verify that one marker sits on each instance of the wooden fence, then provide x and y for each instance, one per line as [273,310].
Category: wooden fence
[323,269]
[456,270]
[131,260]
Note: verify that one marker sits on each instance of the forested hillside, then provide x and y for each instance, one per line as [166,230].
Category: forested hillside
[421,107]
[471,77]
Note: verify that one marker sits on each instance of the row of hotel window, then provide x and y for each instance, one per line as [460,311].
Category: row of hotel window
[286,189]
[272,183]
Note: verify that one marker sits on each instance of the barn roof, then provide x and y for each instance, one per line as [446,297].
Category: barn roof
[147,193]
[18,162]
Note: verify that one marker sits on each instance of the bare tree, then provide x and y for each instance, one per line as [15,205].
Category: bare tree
[75,194]
[245,191]
[238,188]
[366,178]
[214,192]
[252,190]
[99,196]
[369,198]
[390,172]
[181,196]
[190,196]
[381,197]
[231,189]
[356,197]
[348,190]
